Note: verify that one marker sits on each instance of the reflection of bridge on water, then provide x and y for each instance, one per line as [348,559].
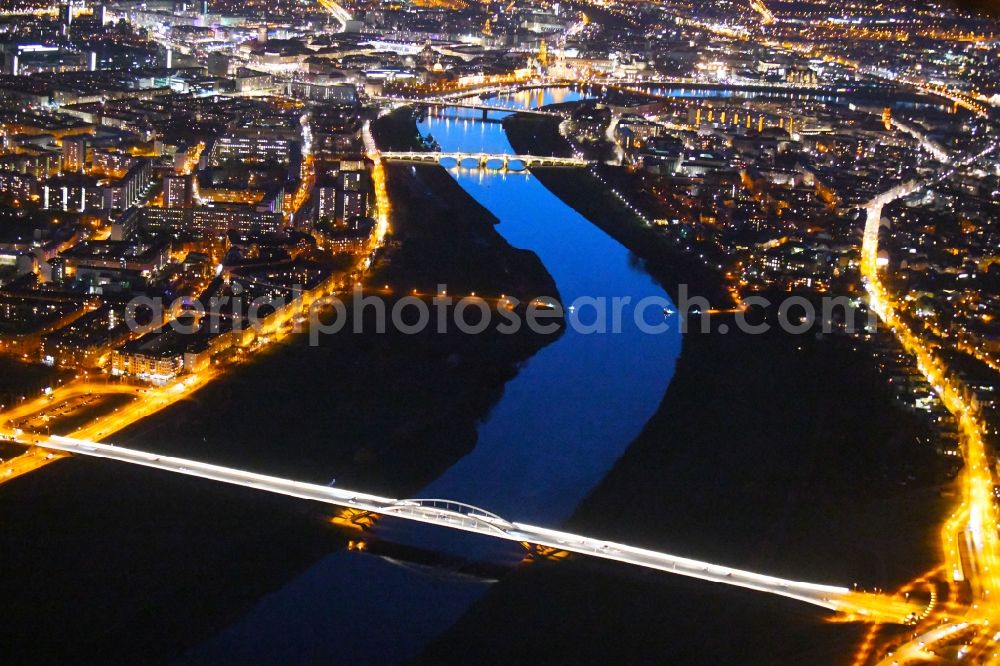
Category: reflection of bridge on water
[488,161]
[461,516]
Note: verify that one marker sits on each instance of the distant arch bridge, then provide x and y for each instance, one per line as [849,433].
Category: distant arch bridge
[487,161]
[438,104]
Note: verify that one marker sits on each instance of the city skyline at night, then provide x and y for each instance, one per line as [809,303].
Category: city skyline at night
[441,331]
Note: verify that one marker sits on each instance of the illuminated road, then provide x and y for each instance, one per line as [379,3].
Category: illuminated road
[918,650]
[337,11]
[307,173]
[35,458]
[972,528]
[455,515]
[27,462]
[766,16]
[926,141]
[62,394]
[379,185]
[147,401]
[151,399]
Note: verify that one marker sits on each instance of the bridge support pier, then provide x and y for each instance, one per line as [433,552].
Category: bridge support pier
[537,552]
[355,519]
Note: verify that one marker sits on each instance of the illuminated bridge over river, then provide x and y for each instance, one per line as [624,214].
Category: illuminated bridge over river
[459,516]
[458,103]
[497,161]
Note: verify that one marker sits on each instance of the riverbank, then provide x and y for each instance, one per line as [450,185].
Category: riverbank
[397,130]
[749,461]
[120,564]
[441,236]
[777,453]
[539,134]
[582,191]
[773,454]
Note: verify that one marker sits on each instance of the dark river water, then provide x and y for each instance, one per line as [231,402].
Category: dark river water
[561,424]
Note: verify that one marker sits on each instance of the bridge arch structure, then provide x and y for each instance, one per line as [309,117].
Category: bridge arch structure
[461,516]
[437,510]
[485,161]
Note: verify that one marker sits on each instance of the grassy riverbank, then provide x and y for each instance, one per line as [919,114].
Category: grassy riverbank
[777,453]
[397,130]
[112,563]
[443,237]
[589,197]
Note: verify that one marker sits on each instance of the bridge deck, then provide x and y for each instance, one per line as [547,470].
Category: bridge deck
[460,104]
[483,158]
[456,515]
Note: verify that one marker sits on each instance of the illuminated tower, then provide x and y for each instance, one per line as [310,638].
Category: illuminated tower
[543,54]
[887,117]
[487,28]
